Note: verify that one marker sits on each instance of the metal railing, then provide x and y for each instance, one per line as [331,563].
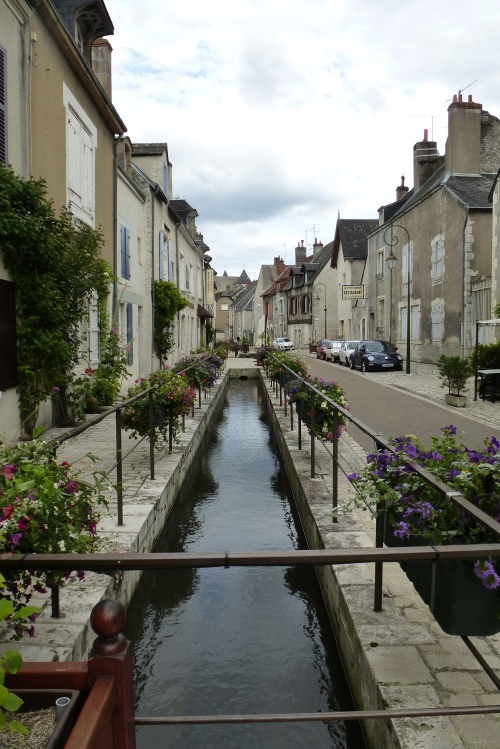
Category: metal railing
[120,457]
[380,443]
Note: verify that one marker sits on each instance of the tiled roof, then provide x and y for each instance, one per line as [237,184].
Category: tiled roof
[148,149]
[351,234]
[182,209]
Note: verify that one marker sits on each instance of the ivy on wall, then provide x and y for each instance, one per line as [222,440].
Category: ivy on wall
[168,302]
[57,267]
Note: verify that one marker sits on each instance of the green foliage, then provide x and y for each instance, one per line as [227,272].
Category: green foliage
[454,371]
[168,302]
[57,267]
[46,508]
[488,356]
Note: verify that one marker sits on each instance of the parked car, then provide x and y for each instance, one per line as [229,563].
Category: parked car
[321,349]
[371,355]
[283,344]
[332,351]
[346,350]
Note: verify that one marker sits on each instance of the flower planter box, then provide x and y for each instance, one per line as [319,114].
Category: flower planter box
[304,413]
[42,699]
[312,348]
[462,605]
[459,401]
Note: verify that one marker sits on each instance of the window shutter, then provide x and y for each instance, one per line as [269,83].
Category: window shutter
[130,335]
[3,105]
[161,268]
[8,340]
[125,251]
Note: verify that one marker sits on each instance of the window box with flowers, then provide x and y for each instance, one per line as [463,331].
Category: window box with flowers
[467,594]
[298,393]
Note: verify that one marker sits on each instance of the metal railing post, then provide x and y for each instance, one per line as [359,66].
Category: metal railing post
[151,436]
[379,566]
[313,456]
[119,466]
[55,601]
[170,433]
[335,464]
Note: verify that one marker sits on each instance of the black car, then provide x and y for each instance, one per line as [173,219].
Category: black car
[371,355]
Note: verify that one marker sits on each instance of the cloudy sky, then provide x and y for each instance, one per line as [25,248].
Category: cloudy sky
[279,114]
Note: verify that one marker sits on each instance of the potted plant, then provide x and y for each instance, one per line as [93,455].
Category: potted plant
[454,372]
[262,353]
[298,393]
[467,594]
[313,345]
[45,507]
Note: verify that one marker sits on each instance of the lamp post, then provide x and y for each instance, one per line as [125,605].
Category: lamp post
[318,297]
[391,261]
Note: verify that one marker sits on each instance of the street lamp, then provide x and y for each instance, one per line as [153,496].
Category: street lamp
[318,297]
[391,261]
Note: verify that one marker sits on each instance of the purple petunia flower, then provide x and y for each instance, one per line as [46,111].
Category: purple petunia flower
[402,530]
[449,430]
[15,538]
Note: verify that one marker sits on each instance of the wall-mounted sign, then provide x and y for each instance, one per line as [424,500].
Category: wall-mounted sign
[353,292]
[209,286]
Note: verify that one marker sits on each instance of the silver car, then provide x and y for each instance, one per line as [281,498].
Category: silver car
[332,351]
[346,350]
[283,344]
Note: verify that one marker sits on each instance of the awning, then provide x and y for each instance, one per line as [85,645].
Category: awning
[202,312]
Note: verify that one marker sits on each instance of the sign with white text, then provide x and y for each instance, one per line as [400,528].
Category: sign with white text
[353,292]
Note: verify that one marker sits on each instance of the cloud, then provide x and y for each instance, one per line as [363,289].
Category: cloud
[279,113]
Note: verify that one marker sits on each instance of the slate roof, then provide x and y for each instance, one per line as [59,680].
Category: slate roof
[182,209]
[351,234]
[244,298]
[148,149]
[472,189]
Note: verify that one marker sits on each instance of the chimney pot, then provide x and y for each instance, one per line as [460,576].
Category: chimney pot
[426,135]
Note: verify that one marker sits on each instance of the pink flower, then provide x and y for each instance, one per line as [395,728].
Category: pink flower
[89,371]
[7,511]
[55,389]
[23,523]
[9,472]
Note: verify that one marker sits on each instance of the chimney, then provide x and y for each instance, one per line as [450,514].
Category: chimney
[101,63]
[425,160]
[279,264]
[463,145]
[401,189]
[300,253]
[317,247]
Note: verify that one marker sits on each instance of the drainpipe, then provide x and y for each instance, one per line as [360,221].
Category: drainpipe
[114,298]
[152,193]
[462,305]
[177,281]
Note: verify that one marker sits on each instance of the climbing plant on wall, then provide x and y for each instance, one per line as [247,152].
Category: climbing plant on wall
[57,267]
[168,302]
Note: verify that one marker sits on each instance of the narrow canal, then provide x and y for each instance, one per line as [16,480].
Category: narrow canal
[241,640]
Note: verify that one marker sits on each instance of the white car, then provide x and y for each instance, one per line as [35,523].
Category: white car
[332,350]
[283,344]
[346,350]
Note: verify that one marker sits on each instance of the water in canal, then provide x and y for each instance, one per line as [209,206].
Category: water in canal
[238,640]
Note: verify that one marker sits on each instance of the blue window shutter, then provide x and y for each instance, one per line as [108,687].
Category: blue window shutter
[125,251]
[130,336]
[169,261]
[161,269]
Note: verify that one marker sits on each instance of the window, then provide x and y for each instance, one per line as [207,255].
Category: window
[293,305]
[225,307]
[130,335]
[280,306]
[403,321]
[8,342]
[437,315]
[380,312]
[415,322]
[380,263]
[161,257]
[3,105]
[406,267]
[437,251]
[81,142]
[93,332]
[125,252]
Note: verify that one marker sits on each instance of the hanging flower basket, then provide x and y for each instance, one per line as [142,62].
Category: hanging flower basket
[304,413]
[466,598]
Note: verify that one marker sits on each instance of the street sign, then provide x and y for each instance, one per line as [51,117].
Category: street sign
[353,292]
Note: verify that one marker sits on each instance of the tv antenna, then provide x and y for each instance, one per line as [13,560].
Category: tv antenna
[461,90]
